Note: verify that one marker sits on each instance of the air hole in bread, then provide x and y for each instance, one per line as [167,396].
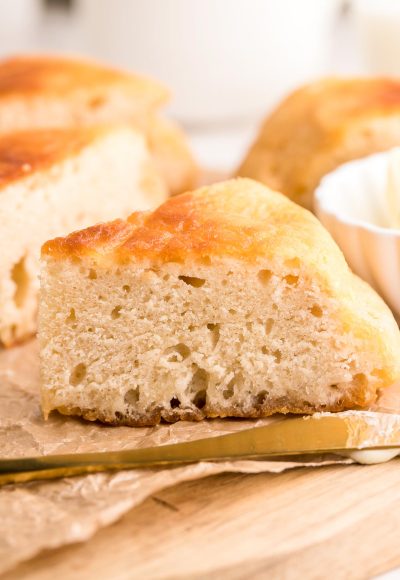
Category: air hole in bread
[199,378]
[71,316]
[116,312]
[236,381]
[264,350]
[334,387]
[232,311]
[200,399]
[192,281]
[175,402]
[264,276]
[229,391]
[177,353]
[277,355]
[78,374]
[215,333]
[317,311]
[197,387]
[261,396]
[132,396]
[20,277]
[126,288]
[291,280]
[92,274]
[268,325]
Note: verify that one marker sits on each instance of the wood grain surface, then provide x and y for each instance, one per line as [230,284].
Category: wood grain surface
[332,522]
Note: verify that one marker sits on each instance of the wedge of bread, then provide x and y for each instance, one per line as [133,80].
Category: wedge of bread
[55,91]
[55,181]
[321,126]
[228,301]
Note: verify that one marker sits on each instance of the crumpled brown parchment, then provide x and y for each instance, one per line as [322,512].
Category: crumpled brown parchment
[42,515]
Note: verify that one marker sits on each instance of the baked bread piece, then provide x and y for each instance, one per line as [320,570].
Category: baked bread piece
[321,126]
[228,301]
[50,91]
[54,181]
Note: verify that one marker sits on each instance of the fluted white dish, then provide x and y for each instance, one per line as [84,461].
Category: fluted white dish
[353,204]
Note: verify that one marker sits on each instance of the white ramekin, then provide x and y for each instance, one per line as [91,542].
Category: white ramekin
[352,204]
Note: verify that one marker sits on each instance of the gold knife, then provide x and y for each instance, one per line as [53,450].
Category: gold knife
[321,433]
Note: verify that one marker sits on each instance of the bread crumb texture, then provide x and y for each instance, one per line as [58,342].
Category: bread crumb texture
[227,301]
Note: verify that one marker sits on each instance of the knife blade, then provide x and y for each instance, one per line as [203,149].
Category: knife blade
[321,433]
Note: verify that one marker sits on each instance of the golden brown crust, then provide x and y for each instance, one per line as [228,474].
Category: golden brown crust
[39,75]
[236,219]
[101,239]
[305,137]
[26,152]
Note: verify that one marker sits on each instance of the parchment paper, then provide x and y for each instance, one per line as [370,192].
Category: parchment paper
[41,515]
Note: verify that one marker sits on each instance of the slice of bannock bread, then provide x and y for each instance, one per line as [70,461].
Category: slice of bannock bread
[55,91]
[227,301]
[55,181]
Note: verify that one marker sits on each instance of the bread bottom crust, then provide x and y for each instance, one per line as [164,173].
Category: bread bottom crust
[357,399]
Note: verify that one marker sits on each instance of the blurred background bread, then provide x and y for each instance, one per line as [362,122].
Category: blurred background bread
[53,181]
[226,301]
[227,63]
[57,91]
[321,126]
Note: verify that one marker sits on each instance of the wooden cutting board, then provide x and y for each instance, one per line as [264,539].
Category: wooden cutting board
[331,522]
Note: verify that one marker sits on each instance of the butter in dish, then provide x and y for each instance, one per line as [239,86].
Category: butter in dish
[359,204]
